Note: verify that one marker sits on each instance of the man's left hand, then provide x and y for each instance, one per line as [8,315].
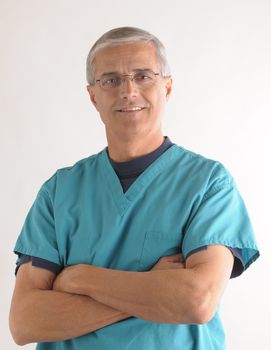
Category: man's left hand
[71,278]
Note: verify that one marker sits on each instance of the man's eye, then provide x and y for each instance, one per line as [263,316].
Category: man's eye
[142,77]
[111,81]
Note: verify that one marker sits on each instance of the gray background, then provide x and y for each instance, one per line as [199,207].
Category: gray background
[220,55]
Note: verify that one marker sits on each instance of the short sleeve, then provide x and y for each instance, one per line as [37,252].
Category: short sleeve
[38,237]
[221,218]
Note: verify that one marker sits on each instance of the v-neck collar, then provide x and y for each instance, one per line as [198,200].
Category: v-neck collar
[123,200]
[136,166]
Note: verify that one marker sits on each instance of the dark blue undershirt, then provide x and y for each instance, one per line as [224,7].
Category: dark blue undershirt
[127,173]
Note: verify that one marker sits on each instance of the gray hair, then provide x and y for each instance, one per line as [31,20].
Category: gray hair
[125,35]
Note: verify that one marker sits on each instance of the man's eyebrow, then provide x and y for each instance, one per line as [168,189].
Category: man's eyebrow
[142,69]
[134,70]
[108,73]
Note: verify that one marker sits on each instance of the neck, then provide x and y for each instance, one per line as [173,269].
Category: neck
[123,150]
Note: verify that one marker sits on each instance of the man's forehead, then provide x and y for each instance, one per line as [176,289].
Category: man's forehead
[132,57]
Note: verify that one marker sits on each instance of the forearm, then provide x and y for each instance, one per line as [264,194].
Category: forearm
[46,315]
[187,295]
[165,296]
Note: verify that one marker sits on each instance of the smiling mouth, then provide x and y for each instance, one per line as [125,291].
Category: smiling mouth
[130,109]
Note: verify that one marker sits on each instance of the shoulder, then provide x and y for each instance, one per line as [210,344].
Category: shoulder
[70,176]
[209,171]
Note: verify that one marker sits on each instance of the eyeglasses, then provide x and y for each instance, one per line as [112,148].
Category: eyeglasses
[142,79]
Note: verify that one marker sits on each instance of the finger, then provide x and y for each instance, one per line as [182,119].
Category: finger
[178,260]
[174,258]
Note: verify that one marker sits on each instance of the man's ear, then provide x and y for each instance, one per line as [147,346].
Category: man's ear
[91,93]
[168,87]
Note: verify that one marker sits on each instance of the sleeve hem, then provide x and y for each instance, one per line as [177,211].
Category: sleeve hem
[241,246]
[36,253]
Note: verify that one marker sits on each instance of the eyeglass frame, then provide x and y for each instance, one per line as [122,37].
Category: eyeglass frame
[124,77]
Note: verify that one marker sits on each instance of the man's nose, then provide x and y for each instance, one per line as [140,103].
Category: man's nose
[128,88]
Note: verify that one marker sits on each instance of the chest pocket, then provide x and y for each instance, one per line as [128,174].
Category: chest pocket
[156,245]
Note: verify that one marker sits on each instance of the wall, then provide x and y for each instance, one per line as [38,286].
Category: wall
[220,55]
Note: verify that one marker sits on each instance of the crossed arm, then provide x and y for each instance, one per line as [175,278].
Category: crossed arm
[84,298]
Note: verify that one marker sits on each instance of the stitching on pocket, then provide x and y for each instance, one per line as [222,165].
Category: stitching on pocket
[157,236]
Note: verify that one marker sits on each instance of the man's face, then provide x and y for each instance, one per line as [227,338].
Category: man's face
[115,105]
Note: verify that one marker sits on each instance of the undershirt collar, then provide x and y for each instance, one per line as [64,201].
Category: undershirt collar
[136,166]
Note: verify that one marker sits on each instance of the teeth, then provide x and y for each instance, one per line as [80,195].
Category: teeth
[131,109]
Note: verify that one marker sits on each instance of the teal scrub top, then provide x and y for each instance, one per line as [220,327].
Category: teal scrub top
[181,202]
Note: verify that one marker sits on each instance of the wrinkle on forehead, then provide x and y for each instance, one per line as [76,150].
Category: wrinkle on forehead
[126,58]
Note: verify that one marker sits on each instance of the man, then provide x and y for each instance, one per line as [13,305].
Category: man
[131,248]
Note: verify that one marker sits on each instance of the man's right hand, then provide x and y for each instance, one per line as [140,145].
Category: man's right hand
[170,262]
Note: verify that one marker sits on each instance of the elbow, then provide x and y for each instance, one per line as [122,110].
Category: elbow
[199,309]
[17,330]
[17,336]
[203,308]
[203,315]
[19,341]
